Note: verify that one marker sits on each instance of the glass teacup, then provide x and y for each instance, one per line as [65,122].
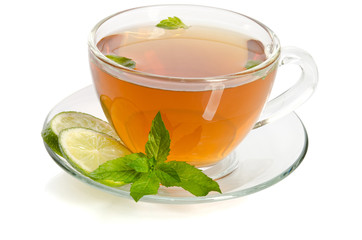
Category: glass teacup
[208,109]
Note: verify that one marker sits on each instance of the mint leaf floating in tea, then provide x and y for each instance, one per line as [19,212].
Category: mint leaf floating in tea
[252,63]
[146,172]
[126,62]
[256,53]
[172,23]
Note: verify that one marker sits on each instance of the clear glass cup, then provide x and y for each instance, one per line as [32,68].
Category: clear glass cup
[206,130]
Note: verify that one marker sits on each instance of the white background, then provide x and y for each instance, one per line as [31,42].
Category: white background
[43,59]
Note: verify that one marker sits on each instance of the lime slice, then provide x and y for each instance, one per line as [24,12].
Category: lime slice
[71,119]
[86,149]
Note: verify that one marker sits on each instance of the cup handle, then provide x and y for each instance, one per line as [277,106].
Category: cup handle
[296,95]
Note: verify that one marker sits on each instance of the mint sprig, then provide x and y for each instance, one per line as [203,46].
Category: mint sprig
[146,172]
[172,23]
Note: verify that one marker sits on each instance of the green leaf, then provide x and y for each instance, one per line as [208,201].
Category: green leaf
[117,170]
[167,175]
[193,179]
[147,184]
[126,62]
[252,63]
[140,162]
[158,144]
[172,23]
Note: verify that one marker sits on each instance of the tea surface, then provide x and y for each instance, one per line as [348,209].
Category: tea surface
[195,52]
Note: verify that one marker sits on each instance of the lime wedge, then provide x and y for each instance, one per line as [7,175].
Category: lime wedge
[72,119]
[86,149]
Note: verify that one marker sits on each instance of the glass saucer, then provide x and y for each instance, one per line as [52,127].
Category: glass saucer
[265,157]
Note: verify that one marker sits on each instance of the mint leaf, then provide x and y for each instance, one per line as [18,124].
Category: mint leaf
[117,170]
[167,175]
[158,144]
[147,184]
[126,62]
[140,162]
[252,63]
[172,23]
[193,179]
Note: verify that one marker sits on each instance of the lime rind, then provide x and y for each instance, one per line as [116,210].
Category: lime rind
[51,139]
[111,183]
[69,119]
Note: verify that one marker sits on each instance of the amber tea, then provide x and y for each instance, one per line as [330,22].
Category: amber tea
[205,125]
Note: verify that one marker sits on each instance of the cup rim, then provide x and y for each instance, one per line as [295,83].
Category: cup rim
[274,56]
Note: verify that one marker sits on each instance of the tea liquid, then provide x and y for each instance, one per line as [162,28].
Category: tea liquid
[199,136]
